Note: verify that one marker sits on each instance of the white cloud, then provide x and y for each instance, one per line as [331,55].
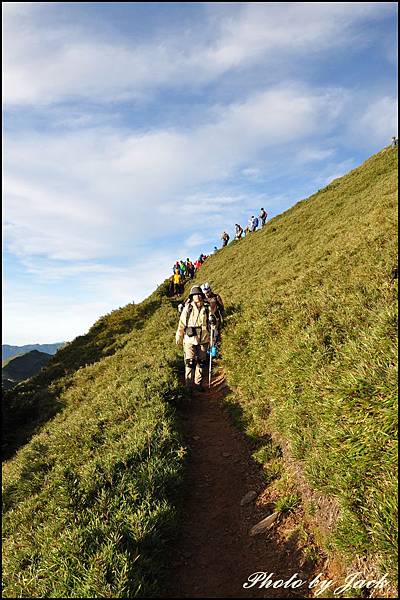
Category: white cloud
[88,194]
[312,154]
[377,123]
[62,313]
[46,62]
[196,240]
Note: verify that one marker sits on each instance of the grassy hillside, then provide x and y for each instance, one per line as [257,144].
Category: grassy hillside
[90,501]
[309,348]
[25,366]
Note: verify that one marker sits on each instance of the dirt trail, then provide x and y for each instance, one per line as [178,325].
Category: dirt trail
[215,554]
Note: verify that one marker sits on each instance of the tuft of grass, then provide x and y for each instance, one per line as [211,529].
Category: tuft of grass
[287,504]
[267,452]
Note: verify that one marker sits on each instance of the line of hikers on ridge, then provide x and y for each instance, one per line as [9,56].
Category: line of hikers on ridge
[252,225]
[182,272]
[201,314]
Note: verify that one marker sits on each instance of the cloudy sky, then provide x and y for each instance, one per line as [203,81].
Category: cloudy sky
[134,133]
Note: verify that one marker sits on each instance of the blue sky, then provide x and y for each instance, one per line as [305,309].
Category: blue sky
[133,134]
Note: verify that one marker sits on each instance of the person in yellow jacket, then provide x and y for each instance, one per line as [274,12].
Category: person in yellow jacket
[177,283]
[193,328]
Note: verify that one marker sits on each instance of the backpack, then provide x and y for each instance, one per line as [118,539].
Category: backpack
[255,222]
[189,304]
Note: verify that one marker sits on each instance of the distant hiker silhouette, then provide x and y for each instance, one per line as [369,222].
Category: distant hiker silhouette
[238,231]
[263,217]
[250,224]
[224,238]
[194,328]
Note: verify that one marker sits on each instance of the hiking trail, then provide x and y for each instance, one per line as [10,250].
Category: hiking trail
[215,554]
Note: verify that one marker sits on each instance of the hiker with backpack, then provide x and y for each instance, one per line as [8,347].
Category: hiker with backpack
[216,307]
[190,267]
[178,283]
[238,231]
[255,223]
[263,217]
[194,329]
[182,268]
[224,238]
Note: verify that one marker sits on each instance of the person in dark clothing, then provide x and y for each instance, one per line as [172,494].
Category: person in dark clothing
[224,238]
[238,231]
[263,217]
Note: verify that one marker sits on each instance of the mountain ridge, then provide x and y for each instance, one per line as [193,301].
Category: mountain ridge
[9,351]
[24,366]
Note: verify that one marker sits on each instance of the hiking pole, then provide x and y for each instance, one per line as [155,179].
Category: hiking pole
[211,345]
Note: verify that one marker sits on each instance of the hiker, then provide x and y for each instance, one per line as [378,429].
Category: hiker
[250,224]
[224,238]
[190,268]
[394,141]
[194,328]
[177,283]
[263,217]
[255,223]
[182,268]
[238,231]
[171,286]
[175,268]
[215,249]
[216,307]
[246,230]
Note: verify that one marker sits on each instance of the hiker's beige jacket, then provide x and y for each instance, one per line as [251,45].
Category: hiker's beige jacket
[197,318]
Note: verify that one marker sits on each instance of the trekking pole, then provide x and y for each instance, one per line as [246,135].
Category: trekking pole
[211,345]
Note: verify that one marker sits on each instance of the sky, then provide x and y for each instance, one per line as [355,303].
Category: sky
[135,133]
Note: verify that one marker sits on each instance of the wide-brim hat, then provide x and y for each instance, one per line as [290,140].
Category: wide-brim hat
[196,289]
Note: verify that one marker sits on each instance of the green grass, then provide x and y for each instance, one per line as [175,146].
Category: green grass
[287,504]
[92,486]
[90,504]
[310,345]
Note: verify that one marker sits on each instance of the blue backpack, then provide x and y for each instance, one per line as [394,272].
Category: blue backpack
[255,222]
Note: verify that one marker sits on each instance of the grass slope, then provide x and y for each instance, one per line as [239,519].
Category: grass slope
[310,345]
[90,501]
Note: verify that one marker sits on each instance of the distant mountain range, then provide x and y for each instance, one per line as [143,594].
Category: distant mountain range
[11,351]
[22,367]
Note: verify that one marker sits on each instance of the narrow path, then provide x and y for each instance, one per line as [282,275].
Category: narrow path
[215,554]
